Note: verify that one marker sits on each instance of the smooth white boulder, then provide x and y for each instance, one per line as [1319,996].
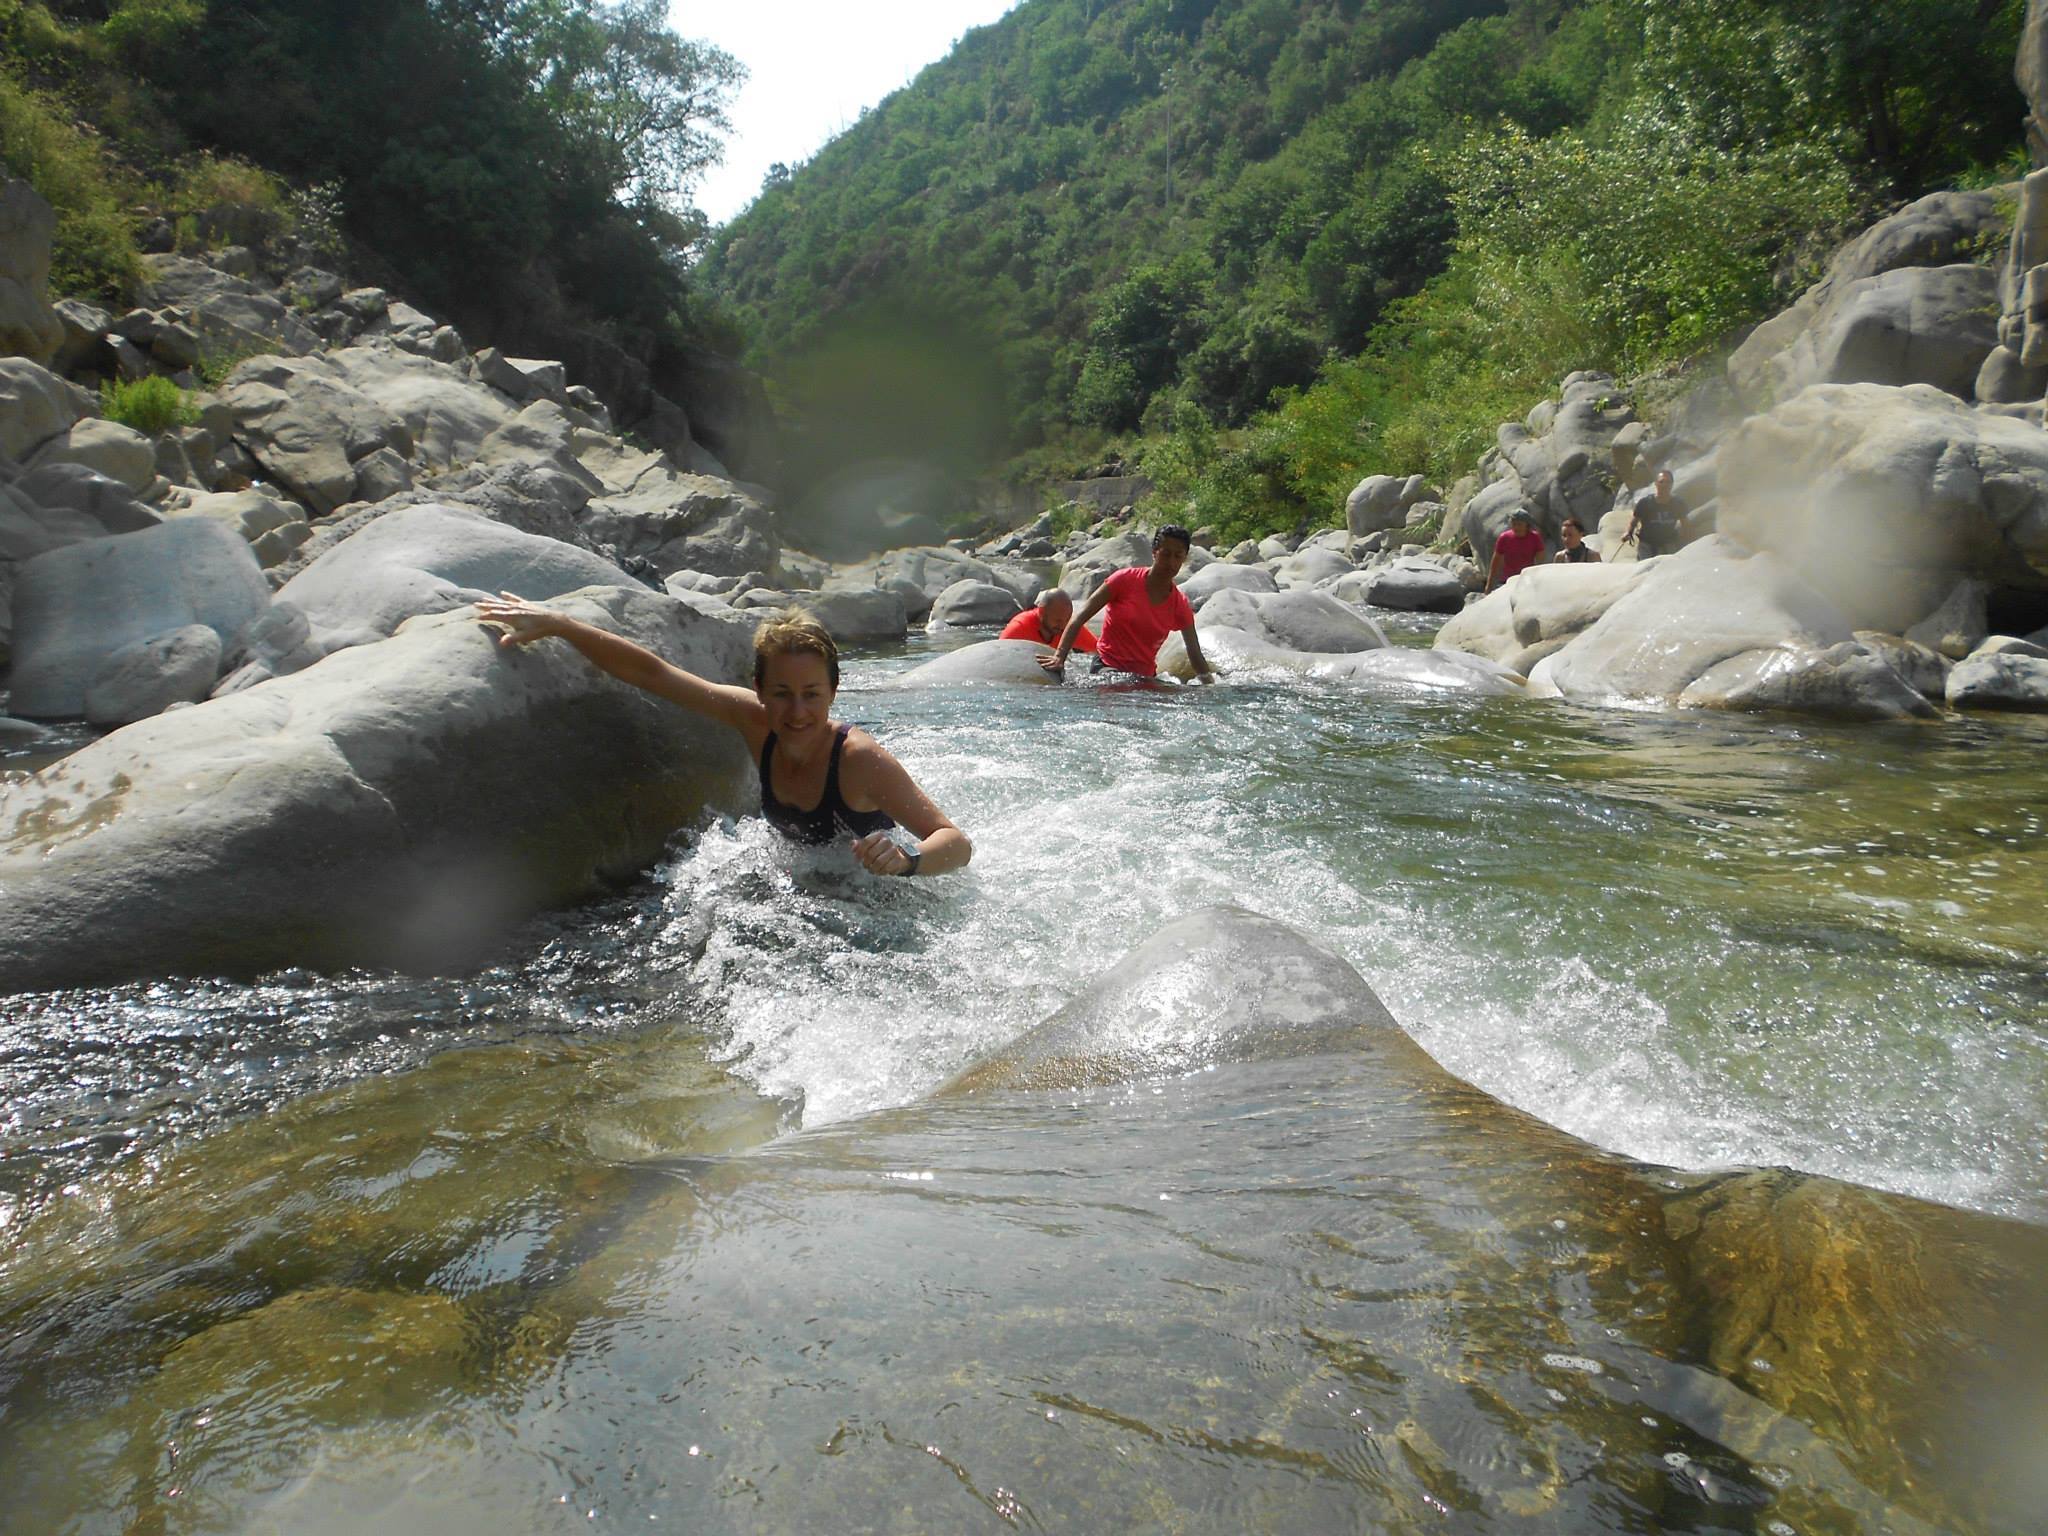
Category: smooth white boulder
[429,559]
[970,602]
[1883,498]
[398,804]
[148,676]
[1220,576]
[2013,676]
[991,661]
[75,607]
[106,447]
[1297,620]
[1702,630]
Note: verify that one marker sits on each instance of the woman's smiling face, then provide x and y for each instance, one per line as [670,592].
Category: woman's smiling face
[796,688]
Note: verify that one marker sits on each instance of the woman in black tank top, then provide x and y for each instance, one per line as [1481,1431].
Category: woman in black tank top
[852,785]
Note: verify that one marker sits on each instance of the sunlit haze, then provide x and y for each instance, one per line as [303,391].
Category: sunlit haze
[812,65]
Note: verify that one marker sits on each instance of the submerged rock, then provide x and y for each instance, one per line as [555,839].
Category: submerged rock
[1297,620]
[992,661]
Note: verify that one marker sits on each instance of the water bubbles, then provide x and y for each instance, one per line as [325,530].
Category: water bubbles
[1678,1461]
[1580,1363]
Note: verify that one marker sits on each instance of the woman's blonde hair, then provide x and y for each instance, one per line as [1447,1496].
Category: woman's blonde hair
[795,632]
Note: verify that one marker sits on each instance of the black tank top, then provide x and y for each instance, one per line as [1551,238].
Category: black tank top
[830,817]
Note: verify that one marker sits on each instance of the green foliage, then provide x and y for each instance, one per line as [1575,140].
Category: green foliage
[134,28]
[93,252]
[150,405]
[1354,238]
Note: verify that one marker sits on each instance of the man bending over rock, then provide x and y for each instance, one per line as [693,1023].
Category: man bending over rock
[1047,621]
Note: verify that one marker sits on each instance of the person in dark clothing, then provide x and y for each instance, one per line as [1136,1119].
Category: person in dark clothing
[852,785]
[1659,519]
[1576,550]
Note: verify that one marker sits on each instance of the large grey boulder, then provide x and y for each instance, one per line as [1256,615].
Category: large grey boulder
[1701,629]
[1916,325]
[110,504]
[1958,625]
[1940,230]
[1381,501]
[674,519]
[1300,620]
[307,427]
[105,447]
[1309,565]
[1223,575]
[28,326]
[1099,561]
[396,805]
[2009,676]
[148,676]
[274,529]
[230,313]
[1885,497]
[918,575]
[855,618]
[973,602]
[35,405]
[430,559]
[991,661]
[75,607]
[1416,583]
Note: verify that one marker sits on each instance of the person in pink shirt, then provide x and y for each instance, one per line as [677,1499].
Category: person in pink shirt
[1518,547]
[1140,607]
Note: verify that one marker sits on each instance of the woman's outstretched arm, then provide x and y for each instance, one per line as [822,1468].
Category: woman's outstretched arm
[520,622]
[872,779]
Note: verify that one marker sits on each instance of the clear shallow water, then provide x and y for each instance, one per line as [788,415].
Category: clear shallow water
[1695,941]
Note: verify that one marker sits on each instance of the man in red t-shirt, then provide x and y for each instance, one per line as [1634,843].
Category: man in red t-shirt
[1047,622]
[1518,547]
[1140,607]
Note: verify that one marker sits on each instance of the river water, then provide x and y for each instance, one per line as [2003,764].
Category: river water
[651,1223]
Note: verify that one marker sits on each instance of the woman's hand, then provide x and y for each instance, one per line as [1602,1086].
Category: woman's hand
[518,621]
[881,854]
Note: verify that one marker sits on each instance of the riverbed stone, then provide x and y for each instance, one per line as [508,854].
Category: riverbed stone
[429,559]
[1850,315]
[858,618]
[28,326]
[2012,676]
[35,406]
[1297,620]
[397,804]
[1884,498]
[1415,583]
[76,606]
[967,603]
[111,504]
[991,661]
[1704,629]
[1223,575]
[1397,667]
[1136,1020]
[106,447]
[1958,626]
[232,313]
[145,677]
[1925,668]
[1309,565]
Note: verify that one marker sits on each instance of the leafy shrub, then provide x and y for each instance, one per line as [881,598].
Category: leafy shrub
[92,250]
[150,405]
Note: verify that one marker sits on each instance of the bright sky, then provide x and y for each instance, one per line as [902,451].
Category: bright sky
[811,66]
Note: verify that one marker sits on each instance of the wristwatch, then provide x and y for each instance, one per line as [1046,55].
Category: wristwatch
[916,856]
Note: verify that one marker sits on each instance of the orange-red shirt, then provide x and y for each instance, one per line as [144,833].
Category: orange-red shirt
[1030,625]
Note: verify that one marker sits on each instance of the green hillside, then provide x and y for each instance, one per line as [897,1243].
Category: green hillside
[522,167]
[1161,217]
